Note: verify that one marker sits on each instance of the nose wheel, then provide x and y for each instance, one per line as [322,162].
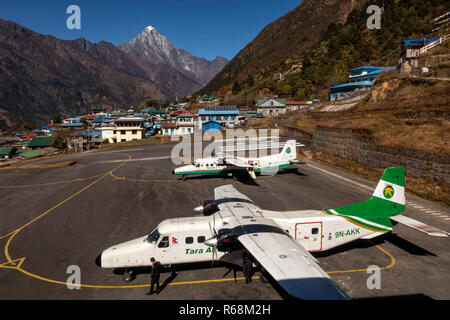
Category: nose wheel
[128,275]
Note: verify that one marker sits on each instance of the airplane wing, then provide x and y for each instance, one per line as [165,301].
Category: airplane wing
[432,231]
[290,264]
[237,162]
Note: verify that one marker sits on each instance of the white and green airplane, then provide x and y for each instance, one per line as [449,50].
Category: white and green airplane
[278,242]
[230,165]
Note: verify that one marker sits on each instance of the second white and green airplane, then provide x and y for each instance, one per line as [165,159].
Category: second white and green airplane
[229,165]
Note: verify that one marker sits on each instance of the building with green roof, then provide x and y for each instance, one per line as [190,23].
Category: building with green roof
[31,154]
[42,142]
[7,151]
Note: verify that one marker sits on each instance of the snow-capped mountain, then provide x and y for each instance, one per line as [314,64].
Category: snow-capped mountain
[155,48]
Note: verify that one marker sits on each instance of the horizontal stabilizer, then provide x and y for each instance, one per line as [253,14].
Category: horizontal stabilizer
[432,231]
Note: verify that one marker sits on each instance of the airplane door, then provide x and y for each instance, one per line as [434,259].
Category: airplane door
[309,235]
[148,251]
[162,249]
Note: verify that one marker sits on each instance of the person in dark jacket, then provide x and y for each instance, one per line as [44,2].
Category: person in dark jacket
[156,270]
[247,267]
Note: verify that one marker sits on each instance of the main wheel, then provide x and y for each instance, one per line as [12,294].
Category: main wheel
[128,276]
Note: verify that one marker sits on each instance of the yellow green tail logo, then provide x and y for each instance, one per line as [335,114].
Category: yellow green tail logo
[388,192]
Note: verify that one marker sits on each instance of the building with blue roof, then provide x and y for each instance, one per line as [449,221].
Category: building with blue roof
[411,49]
[359,82]
[227,116]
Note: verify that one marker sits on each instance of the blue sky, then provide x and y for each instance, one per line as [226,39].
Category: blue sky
[205,28]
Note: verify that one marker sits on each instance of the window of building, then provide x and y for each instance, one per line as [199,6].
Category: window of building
[189,240]
[134,132]
[122,132]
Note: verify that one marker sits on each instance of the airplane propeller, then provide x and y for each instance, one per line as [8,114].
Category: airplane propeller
[212,242]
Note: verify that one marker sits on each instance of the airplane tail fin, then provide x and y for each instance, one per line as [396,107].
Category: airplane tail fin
[289,151]
[387,200]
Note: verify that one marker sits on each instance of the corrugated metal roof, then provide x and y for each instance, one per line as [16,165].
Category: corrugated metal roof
[42,141]
[31,154]
[262,101]
[355,84]
[6,151]
[419,41]
[219,110]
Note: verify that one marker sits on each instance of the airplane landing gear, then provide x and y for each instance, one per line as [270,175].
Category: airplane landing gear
[128,275]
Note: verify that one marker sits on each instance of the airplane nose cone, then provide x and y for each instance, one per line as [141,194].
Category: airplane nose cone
[198,209]
[98,260]
[173,171]
[211,242]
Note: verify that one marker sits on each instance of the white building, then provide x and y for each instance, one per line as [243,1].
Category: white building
[124,129]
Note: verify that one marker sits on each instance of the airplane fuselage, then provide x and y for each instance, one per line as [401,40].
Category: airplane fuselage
[181,240]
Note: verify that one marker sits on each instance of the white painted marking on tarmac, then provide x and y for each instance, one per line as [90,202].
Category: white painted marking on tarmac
[139,159]
[86,153]
[342,178]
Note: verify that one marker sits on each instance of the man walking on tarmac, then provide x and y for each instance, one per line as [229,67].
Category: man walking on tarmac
[156,269]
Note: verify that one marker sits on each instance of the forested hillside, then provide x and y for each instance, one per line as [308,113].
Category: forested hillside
[340,47]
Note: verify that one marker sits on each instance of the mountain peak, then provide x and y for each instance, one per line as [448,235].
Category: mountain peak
[150,28]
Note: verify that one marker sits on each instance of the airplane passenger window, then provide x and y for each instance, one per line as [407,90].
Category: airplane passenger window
[189,240]
[164,243]
[201,239]
[315,231]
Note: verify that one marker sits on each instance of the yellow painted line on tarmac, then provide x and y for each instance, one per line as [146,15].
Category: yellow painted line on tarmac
[143,180]
[14,233]
[172,180]
[18,267]
[391,264]
[7,234]
[17,263]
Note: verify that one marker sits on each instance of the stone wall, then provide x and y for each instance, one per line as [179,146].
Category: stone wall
[358,146]
[298,134]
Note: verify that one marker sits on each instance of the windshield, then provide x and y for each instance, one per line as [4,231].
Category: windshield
[154,236]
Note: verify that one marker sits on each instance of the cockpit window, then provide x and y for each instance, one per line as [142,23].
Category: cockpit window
[197,165]
[154,236]
[164,243]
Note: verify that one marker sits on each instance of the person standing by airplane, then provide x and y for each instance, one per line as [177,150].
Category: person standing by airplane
[247,267]
[156,270]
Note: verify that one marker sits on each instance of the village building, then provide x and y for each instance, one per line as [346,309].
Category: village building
[6,152]
[124,129]
[226,116]
[209,100]
[360,81]
[271,107]
[41,142]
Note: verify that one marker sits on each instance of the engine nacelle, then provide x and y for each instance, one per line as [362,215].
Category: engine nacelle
[209,207]
[227,241]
